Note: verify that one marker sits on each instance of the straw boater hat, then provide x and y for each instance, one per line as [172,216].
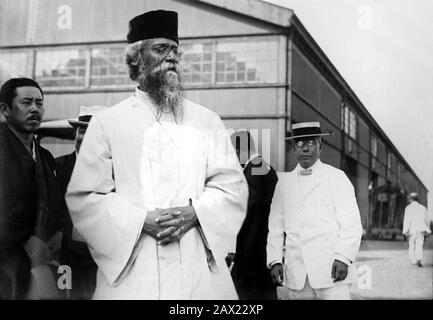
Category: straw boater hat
[85,115]
[307,129]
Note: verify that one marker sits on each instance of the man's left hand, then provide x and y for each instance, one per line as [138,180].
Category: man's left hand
[339,270]
[182,218]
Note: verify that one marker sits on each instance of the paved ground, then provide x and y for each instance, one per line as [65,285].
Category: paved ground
[385,272]
[392,274]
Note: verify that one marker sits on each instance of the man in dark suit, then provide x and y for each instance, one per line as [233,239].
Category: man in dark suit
[75,251]
[31,205]
[250,274]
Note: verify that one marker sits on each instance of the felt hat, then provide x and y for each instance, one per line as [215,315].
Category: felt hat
[153,24]
[85,115]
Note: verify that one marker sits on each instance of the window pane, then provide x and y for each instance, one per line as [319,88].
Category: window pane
[240,77]
[352,125]
[15,64]
[257,57]
[197,63]
[346,120]
[234,61]
[61,68]
[220,77]
[109,67]
[207,67]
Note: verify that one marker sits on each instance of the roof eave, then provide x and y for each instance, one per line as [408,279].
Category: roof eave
[260,10]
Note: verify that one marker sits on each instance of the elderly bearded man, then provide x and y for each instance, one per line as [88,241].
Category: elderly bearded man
[315,207]
[157,191]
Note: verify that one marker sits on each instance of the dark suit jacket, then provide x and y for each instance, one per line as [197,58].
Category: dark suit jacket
[76,254]
[250,260]
[30,204]
[65,166]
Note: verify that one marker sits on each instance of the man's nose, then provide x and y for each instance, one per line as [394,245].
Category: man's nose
[172,56]
[36,108]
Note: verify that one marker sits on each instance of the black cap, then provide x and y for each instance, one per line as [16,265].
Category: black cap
[153,24]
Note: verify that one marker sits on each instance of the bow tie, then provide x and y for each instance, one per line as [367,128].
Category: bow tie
[306,172]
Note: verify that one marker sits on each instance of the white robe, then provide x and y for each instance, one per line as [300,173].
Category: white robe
[128,164]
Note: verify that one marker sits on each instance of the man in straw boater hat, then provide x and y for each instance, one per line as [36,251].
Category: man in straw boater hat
[315,207]
[75,252]
[157,191]
[66,163]
[415,227]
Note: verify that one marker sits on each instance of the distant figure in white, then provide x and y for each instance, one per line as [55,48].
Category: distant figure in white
[415,227]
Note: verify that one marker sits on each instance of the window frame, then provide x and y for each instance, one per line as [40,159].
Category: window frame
[84,49]
[276,60]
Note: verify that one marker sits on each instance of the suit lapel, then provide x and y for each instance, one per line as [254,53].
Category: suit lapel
[299,195]
[316,180]
[24,157]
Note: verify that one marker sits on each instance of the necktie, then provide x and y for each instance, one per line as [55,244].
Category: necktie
[306,172]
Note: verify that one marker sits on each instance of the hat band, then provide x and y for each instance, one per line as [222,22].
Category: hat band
[306,131]
[85,118]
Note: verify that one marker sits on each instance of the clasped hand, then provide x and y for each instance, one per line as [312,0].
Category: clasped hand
[168,225]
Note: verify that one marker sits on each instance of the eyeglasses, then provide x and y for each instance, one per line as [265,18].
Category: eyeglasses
[165,48]
[310,143]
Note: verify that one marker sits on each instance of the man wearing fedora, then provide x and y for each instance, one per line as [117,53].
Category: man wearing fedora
[314,210]
[157,191]
[75,252]
[415,227]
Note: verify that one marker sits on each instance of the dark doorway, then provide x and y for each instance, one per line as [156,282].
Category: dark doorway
[349,167]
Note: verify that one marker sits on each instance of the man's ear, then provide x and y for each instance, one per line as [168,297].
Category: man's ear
[4,109]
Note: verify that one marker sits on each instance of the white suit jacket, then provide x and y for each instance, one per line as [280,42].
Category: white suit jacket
[320,225]
[129,164]
[415,219]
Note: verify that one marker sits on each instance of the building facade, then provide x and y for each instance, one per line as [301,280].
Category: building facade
[252,62]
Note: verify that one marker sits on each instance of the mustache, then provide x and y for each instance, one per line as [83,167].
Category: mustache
[165,66]
[35,116]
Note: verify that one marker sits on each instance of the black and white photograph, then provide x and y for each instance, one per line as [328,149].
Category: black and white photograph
[236,152]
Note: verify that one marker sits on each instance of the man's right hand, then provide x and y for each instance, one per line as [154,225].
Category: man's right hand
[277,274]
[181,218]
[152,228]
